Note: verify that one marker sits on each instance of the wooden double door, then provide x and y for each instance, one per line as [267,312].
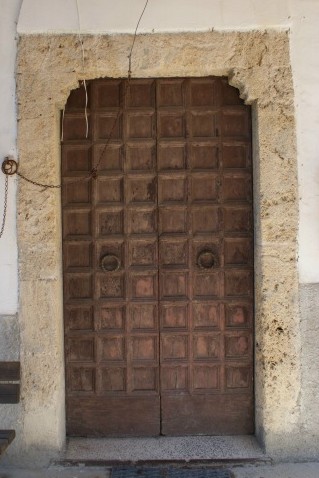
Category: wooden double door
[158,259]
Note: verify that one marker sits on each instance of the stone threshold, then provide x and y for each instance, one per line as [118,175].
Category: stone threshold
[199,450]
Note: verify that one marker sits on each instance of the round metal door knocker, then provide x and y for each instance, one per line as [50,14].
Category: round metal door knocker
[206,259]
[110,263]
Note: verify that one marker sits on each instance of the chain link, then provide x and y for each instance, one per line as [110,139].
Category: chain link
[36,183]
[5,205]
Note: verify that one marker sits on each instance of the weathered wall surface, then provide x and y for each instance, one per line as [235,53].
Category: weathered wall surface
[49,66]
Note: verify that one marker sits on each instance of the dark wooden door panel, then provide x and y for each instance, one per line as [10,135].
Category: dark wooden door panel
[205,260]
[206,414]
[139,416]
[158,259]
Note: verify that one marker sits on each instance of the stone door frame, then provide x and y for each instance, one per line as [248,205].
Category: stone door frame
[258,64]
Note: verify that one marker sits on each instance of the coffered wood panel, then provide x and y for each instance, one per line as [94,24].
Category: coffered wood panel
[158,259]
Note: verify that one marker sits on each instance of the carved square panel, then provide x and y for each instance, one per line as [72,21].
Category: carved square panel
[238,315]
[237,346]
[112,379]
[140,156]
[204,155]
[110,157]
[171,156]
[205,219]
[172,219]
[76,192]
[78,286]
[173,252]
[238,283]
[171,125]
[174,378]
[77,223]
[206,284]
[206,254]
[108,125]
[109,190]
[81,349]
[112,348]
[174,284]
[110,285]
[206,346]
[143,316]
[238,251]
[74,127]
[237,219]
[107,94]
[143,252]
[144,379]
[174,347]
[140,125]
[110,222]
[141,94]
[202,93]
[204,187]
[141,189]
[112,317]
[236,155]
[206,377]
[107,248]
[142,220]
[81,379]
[235,123]
[79,318]
[170,93]
[76,159]
[78,254]
[238,377]
[174,316]
[144,347]
[144,285]
[172,188]
[206,315]
[236,187]
[203,124]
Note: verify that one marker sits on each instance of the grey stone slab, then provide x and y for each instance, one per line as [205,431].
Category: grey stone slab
[163,448]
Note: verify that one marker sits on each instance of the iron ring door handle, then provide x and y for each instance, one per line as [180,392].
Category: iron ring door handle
[110,263]
[206,259]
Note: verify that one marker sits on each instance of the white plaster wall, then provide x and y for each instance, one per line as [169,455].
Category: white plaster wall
[305,63]
[9,11]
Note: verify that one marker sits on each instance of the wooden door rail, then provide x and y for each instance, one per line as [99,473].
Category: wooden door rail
[6,437]
[9,373]
[9,393]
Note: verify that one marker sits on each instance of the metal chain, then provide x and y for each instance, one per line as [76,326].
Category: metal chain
[5,205]
[36,183]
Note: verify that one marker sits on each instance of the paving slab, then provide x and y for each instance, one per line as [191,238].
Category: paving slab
[282,470]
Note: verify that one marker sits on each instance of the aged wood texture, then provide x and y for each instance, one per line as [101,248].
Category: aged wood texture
[9,372]
[6,437]
[158,259]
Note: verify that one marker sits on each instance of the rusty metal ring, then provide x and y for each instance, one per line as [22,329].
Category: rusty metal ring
[206,259]
[9,166]
[110,263]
